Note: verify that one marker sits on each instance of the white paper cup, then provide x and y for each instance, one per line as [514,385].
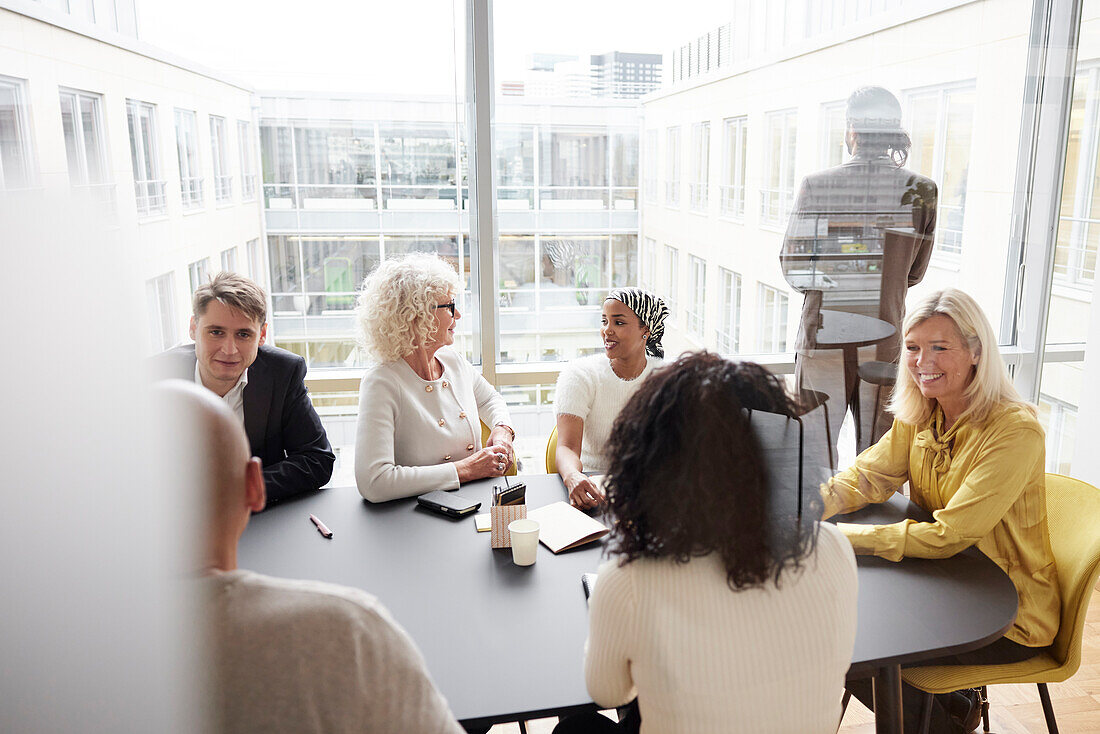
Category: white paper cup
[525,541]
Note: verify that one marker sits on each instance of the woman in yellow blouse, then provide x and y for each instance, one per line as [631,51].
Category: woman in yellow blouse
[973,454]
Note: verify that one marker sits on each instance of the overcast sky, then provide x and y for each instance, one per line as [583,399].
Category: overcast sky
[405,46]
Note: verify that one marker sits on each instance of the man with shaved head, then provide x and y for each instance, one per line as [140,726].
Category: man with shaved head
[288,656]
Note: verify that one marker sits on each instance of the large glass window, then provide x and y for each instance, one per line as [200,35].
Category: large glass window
[697,306]
[672,279]
[219,154]
[160,302]
[834,127]
[777,196]
[148,183]
[187,149]
[729,313]
[772,331]
[337,163]
[733,168]
[15,150]
[248,160]
[198,273]
[649,266]
[229,260]
[85,147]
[257,266]
[650,164]
[941,126]
[419,165]
[700,166]
[672,166]
[515,166]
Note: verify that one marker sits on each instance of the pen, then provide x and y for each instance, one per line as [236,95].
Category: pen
[321,527]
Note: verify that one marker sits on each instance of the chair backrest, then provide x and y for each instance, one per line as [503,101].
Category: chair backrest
[1073,520]
[552,452]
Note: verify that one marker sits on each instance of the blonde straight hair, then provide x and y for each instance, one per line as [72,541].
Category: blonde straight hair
[991,386]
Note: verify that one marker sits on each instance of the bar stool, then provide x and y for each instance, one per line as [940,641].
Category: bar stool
[880,374]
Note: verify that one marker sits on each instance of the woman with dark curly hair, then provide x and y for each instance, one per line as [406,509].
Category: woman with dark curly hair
[720,608]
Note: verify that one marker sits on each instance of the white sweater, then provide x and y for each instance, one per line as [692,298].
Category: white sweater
[411,430]
[306,656]
[589,389]
[703,658]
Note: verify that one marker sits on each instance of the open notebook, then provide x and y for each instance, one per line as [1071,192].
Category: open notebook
[562,526]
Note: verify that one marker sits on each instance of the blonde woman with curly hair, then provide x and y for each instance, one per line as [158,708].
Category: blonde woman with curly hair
[974,456]
[421,406]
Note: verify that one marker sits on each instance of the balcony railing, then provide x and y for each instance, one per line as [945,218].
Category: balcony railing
[700,196]
[150,197]
[223,188]
[775,205]
[694,323]
[727,343]
[248,187]
[191,192]
[733,201]
[1075,251]
[672,193]
[446,198]
[103,194]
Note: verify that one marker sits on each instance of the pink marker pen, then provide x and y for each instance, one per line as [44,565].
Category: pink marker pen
[321,527]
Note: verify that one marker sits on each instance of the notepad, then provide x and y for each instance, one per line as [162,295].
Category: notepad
[562,526]
[483,522]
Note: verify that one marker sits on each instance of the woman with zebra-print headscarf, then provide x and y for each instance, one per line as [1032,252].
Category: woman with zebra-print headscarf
[592,390]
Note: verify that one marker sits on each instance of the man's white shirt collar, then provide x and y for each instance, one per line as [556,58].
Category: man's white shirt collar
[235,397]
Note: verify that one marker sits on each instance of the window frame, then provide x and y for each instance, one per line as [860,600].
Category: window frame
[192,194]
[783,188]
[18,88]
[698,189]
[219,160]
[735,150]
[672,166]
[149,191]
[728,333]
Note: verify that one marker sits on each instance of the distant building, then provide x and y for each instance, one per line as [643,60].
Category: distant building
[624,76]
[614,75]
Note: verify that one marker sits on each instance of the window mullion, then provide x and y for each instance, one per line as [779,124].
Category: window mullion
[479,116]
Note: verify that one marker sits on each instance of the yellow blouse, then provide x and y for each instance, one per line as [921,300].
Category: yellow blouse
[984,485]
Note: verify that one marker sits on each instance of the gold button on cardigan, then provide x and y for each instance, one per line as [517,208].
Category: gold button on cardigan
[984,485]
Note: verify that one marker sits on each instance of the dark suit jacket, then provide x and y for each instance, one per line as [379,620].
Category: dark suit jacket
[853,205]
[283,428]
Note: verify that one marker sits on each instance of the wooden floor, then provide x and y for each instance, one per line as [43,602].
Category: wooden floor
[1014,709]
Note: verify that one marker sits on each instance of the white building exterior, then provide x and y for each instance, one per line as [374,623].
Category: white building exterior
[167,150]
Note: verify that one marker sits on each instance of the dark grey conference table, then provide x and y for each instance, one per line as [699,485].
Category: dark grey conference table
[505,643]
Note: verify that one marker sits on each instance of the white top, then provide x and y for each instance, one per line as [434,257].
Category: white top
[306,656]
[235,397]
[411,430]
[701,657]
[589,389]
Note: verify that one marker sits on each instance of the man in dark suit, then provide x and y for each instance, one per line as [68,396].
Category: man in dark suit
[263,386]
[861,234]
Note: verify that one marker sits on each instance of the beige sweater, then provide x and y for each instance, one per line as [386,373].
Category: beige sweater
[306,656]
[703,658]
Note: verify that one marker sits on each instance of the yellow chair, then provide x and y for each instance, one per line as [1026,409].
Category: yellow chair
[1073,516]
[485,431]
[552,452]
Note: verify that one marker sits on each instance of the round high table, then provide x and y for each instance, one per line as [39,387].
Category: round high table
[848,332]
[470,610]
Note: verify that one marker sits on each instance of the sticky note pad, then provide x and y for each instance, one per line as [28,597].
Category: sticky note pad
[483,522]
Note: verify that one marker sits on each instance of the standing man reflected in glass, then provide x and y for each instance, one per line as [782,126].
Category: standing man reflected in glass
[860,235]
